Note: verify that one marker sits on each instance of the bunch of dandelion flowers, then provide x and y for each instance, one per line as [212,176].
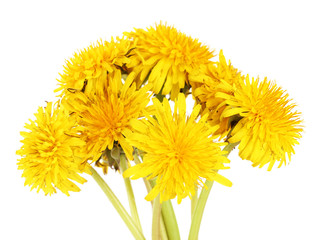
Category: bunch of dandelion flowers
[105,95]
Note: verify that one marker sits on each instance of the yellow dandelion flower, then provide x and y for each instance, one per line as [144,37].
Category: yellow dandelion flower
[106,117]
[169,58]
[88,69]
[51,152]
[220,80]
[179,151]
[268,128]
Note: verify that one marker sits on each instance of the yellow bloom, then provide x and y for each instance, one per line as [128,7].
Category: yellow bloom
[269,128]
[51,152]
[106,117]
[179,151]
[220,80]
[169,58]
[88,69]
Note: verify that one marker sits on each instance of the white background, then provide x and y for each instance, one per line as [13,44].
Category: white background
[281,40]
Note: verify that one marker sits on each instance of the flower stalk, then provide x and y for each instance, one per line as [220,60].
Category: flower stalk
[169,217]
[198,212]
[118,206]
[199,209]
[163,232]
[129,190]
[194,200]
[156,219]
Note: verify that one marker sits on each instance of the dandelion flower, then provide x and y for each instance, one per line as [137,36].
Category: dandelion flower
[268,128]
[219,81]
[88,69]
[179,151]
[51,152]
[168,58]
[106,117]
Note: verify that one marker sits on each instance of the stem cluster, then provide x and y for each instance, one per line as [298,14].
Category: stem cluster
[164,223]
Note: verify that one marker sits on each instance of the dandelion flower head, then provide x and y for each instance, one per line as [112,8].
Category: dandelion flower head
[106,117]
[168,58]
[51,155]
[269,126]
[219,81]
[179,151]
[87,70]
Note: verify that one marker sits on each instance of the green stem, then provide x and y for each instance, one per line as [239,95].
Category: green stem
[170,220]
[156,218]
[129,190]
[136,158]
[167,212]
[194,202]
[199,209]
[198,213]
[118,206]
[163,233]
